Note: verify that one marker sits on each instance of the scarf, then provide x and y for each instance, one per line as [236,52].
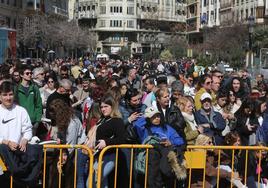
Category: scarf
[190,119]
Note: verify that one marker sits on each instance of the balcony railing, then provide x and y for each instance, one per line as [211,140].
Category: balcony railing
[191,1]
[226,5]
[88,14]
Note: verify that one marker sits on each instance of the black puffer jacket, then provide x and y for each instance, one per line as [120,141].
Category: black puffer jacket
[174,118]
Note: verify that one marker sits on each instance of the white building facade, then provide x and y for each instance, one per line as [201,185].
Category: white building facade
[136,24]
[209,13]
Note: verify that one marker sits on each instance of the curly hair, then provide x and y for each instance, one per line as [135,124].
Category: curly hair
[61,113]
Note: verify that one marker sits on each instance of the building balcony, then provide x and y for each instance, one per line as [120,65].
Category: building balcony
[190,2]
[88,14]
[191,16]
[57,11]
[225,6]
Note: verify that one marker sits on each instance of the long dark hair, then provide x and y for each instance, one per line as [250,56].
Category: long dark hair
[62,114]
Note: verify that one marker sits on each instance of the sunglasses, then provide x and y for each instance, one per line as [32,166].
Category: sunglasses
[206,100]
[28,73]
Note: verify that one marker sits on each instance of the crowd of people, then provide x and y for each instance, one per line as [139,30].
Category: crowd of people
[167,104]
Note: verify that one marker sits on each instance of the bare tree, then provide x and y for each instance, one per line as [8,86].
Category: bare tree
[40,31]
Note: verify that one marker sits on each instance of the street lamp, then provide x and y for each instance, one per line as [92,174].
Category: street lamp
[251,23]
[265,50]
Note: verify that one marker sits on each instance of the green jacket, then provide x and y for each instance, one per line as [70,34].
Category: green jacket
[31,101]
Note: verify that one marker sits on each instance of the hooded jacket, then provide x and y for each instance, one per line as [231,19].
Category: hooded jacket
[162,132]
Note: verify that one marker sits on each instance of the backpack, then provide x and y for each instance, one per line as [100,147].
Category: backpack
[140,160]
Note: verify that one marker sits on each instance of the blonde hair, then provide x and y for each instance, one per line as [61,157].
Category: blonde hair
[182,102]
[161,91]
[202,140]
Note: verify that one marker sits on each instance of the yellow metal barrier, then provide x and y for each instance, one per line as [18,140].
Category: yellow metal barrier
[127,146]
[60,147]
[4,168]
[196,158]
[193,156]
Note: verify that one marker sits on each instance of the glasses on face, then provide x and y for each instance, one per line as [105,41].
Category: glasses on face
[28,73]
[206,100]
[50,81]
[220,76]
[207,83]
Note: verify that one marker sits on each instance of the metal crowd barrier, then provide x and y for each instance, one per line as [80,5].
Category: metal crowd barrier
[195,156]
[196,159]
[117,147]
[60,147]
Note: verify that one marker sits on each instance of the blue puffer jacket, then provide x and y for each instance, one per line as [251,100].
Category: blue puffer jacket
[162,132]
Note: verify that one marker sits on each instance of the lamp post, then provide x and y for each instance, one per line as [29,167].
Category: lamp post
[251,23]
[265,50]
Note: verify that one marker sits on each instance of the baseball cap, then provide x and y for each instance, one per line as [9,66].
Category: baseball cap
[205,96]
[150,112]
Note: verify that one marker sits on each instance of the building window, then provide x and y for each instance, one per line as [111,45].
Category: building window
[260,12]
[205,3]
[14,24]
[102,23]
[2,1]
[115,23]
[116,9]
[102,9]
[79,9]
[84,8]
[130,23]
[8,21]
[212,16]
[7,2]
[88,7]
[251,12]
[246,13]
[93,7]
[15,3]
[130,10]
